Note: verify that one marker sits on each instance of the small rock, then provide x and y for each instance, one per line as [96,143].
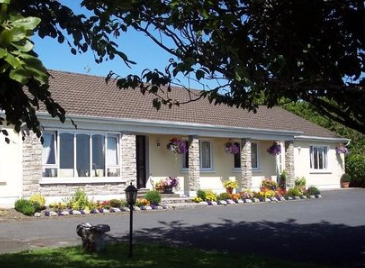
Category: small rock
[312,196]
[304,197]
[64,213]
[274,199]
[53,213]
[248,201]
[297,197]
[231,202]
[37,214]
[222,202]
[115,210]
[240,201]
[136,208]
[76,212]
[318,196]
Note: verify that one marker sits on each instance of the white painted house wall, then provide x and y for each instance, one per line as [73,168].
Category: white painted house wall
[326,179]
[10,168]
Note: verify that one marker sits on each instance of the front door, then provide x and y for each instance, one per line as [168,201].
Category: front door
[141,161]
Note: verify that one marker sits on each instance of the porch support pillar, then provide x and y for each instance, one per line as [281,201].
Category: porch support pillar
[246,165]
[128,161]
[289,163]
[194,164]
[32,164]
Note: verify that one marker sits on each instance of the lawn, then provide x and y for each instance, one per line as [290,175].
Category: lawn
[144,256]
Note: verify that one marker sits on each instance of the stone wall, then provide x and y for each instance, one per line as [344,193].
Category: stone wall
[289,163]
[246,165]
[91,189]
[128,157]
[32,165]
[194,164]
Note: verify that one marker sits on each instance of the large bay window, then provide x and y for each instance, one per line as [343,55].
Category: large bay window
[80,154]
[318,157]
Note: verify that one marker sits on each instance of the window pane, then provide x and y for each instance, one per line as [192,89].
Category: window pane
[66,155]
[318,157]
[205,154]
[83,155]
[112,152]
[254,161]
[186,156]
[98,155]
[237,157]
[48,152]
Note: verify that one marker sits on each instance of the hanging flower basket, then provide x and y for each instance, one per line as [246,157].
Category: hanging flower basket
[341,149]
[178,146]
[274,149]
[231,148]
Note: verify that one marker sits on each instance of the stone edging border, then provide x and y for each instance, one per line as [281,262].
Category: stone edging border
[51,213]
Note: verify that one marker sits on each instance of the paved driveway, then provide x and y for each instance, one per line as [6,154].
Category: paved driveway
[330,230]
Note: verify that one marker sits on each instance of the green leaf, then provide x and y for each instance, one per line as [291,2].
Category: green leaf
[28,23]
[20,75]
[3,53]
[26,46]
[13,61]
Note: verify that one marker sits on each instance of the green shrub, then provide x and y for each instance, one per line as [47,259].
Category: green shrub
[294,192]
[115,203]
[201,194]
[154,197]
[312,190]
[224,196]
[300,182]
[37,206]
[78,200]
[355,167]
[24,206]
[345,178]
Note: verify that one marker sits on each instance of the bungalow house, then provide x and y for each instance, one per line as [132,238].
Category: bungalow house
[121,138]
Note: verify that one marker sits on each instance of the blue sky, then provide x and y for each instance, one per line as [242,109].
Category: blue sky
[135,45]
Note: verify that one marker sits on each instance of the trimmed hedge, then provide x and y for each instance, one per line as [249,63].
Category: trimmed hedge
[355,167]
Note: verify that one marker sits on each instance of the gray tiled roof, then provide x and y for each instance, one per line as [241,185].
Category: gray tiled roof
[87,95]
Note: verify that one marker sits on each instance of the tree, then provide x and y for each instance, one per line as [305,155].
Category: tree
[303,50]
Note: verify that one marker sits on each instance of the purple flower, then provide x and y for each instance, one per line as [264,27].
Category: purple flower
[274,149]
[231,148]
[178,146]
[341,149]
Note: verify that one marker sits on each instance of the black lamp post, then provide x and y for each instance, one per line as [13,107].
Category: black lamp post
[131,196]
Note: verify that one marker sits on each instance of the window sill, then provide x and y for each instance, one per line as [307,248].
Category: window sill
[238,170]
[320,172]
[77,180]
[207,171]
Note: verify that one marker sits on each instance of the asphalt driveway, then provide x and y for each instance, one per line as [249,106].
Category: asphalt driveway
[330,230]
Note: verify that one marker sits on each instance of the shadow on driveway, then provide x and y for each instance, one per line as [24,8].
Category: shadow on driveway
[321,243]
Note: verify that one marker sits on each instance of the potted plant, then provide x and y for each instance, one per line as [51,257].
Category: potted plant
[166,185]
[345,180]
[274,149]
[230,185]
[231,148]
[178,146]
[341,149]
[268,184]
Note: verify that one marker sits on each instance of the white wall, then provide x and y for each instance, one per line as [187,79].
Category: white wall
[10,168]
[327,179]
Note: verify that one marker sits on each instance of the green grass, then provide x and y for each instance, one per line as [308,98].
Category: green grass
[144,256]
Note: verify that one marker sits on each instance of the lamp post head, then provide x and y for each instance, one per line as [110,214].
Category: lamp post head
[131,194]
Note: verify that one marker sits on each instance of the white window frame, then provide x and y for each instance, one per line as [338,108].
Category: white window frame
[325,158]
[210,155]
[88,179]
